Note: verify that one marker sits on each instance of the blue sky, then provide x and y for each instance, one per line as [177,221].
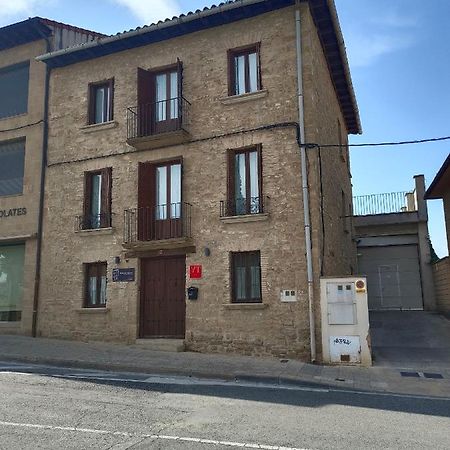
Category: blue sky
[400,61]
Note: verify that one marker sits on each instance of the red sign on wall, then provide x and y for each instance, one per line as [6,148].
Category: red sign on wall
[195,271]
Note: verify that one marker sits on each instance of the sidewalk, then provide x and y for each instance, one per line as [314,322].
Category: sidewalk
[131,358]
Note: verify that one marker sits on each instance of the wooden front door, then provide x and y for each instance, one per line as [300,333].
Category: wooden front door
[163,305]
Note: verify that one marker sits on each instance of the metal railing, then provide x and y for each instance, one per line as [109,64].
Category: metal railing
[93,221]
[242,206]
[388,203]
[158,117]
[157,223]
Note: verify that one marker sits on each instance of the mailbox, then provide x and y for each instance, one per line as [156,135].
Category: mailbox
[192,293]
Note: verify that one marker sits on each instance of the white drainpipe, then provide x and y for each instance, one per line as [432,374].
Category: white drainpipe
[307,217]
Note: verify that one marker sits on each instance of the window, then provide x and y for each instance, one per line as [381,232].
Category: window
[12,162]
[14,90]
[166,96]
[168,191]
[11,282]
[245,181]
[246,277]
[101,102]
[244,72]
[97,199]
[96,281]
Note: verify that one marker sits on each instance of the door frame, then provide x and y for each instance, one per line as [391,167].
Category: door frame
[142,261]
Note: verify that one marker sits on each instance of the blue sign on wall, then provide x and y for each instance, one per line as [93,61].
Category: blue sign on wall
[123,275]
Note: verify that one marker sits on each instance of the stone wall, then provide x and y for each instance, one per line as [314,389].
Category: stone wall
[213,324]
[441,271]
[23,228]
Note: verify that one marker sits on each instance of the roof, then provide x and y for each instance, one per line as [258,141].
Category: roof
[441,183]
[323,12]
[35,29]
[19,33]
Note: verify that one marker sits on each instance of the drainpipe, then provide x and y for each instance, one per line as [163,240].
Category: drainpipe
[37,279]
[306,213]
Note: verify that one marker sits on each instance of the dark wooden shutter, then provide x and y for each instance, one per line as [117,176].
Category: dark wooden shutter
[181,111]
[86,222]
[146,99]
[111,103]
[146,201]
[105,218]
[230,202]
[91,104]
[231,74]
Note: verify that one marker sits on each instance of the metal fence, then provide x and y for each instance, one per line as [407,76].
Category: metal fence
[157,223]
[158,117]
[242,206]
[388,203]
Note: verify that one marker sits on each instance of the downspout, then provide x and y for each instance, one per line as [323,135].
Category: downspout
[306,213]
[37,279]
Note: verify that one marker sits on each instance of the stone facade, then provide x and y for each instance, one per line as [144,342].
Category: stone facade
[22,229]
[441,271]
[217,124]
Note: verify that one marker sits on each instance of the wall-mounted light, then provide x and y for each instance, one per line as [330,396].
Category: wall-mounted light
[207,251]
[116,259]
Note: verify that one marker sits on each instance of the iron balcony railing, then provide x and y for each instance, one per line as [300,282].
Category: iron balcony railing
[159,117]
[93,221]
[242,206]
[157,223]
[393,202]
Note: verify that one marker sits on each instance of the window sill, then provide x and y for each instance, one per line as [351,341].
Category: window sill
[245,218]
[244,306]
[231,100]
[99,126]
[15,324]
[100,310]
[95,231]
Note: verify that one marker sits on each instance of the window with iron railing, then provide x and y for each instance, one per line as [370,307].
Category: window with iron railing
[244,183]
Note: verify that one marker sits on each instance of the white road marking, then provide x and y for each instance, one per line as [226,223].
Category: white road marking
[147,436]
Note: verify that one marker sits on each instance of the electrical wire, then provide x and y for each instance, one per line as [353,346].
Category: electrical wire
[23,126]
[381,144]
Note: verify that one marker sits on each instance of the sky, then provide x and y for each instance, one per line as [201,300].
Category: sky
[399,58]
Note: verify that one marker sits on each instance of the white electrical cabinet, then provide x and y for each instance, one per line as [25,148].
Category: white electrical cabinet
[345,321]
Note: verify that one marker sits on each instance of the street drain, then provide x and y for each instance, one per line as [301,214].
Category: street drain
[410,374]
[436,376]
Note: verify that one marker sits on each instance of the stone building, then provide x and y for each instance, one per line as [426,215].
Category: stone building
[440,190]
[22,142]
[175,214]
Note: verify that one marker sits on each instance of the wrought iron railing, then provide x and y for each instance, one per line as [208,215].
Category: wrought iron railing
[93,221]
[393,202]
[158,117]
[242,206]
[157,223]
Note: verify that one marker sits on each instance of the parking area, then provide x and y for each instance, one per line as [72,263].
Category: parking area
[410,339]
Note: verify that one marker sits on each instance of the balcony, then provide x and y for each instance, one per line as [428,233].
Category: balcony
[159,124]
[92,222]
[166,226]
[243,210]
[389,203]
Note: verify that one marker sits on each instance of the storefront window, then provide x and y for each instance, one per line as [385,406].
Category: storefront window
[11,282]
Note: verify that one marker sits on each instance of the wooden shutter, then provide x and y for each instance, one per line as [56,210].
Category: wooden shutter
[230,203]
[105,218]
[146,201]
[87,200]
[91,104]
[231,74]
[146,99]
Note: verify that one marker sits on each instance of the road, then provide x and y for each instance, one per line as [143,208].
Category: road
[54,408]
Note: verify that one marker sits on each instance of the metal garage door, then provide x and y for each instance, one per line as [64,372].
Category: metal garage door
[393,276]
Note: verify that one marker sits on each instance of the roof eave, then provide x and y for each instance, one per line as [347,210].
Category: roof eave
[434,192]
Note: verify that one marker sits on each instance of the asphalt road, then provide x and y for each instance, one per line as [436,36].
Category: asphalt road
[54,408]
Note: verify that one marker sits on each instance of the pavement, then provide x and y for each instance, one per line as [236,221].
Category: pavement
[414,339]
[430,377]
[69,409]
